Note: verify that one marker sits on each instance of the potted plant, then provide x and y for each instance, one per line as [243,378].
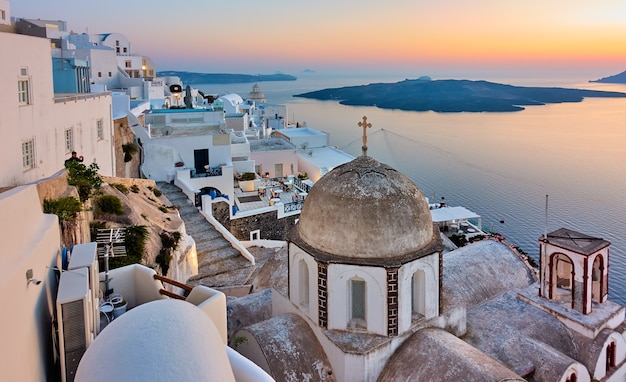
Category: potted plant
[246,182]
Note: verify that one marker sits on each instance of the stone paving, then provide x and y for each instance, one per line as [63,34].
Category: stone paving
[219,264]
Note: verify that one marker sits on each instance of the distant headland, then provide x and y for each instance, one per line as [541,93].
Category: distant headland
[449,96]
[616,79]
[224,78]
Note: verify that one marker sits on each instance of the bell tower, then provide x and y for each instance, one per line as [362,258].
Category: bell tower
[574,269]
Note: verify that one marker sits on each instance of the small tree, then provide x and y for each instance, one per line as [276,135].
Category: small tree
[84,178]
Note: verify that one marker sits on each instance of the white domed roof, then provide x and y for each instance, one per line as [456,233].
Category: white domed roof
[163,340]
[366,210]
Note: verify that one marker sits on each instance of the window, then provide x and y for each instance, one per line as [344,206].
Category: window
[69,140]
[303,273]
[100,128]
[110,74]
[28,154]
[99,74]
[357,304]
[128,64]
[125,50]
[23,91]
[3,15]
[610,355]
[418,291]
[117,49]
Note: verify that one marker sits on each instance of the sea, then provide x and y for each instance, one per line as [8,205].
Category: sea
[524,173]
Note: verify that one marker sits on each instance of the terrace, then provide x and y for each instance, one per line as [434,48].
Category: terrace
[287,193]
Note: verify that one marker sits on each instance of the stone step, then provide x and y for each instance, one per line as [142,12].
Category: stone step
[178,198]
[198,228]
[218,255]
[208,235]
[213,245]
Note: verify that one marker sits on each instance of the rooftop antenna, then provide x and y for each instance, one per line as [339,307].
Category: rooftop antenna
[364,124]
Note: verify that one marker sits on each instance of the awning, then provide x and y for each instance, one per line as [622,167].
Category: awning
[446,214]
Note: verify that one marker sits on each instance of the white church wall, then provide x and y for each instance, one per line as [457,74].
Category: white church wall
[310,308]
[339,276]
[581,372]
[600,370]
[430,267]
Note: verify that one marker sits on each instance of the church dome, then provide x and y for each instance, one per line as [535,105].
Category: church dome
[256,94]
[366,210]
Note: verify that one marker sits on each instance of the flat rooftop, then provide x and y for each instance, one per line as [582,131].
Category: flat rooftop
[270,144]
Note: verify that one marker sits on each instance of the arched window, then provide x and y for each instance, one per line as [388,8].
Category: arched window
[610,355]
[572,378]
[303,284]
[597,279]
[418,294]
[357,302]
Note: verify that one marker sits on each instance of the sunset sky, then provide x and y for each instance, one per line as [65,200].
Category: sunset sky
[439,38]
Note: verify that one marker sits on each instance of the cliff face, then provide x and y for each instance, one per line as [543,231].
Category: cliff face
[124,135]
[142,207]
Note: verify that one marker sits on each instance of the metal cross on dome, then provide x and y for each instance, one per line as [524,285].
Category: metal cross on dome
[364,125]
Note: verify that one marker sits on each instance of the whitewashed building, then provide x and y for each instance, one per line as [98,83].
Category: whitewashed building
[40,128]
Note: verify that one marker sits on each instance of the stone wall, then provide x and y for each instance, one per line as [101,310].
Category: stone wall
[267,223]
[122,135]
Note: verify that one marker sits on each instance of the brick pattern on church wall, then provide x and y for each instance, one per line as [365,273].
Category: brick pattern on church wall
[322,294]
[392,302]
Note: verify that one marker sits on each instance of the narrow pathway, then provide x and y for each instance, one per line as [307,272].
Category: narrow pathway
[219,264]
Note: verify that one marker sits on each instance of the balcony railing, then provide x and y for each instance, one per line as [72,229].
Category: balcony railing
[301,185]
[294,206]
[211,171]
[58,98]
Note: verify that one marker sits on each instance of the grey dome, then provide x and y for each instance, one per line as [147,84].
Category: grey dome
[364,209]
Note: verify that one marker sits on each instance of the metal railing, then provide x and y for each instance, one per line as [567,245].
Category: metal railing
[212,171]
[294,206]
[78,96]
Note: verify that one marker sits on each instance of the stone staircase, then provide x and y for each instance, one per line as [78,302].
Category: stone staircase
[219,264]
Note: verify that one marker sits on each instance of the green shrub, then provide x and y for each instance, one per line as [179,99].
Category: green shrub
[120,187]
[109,204]
[248,176]
[65,208]
[157,192]
[169,241]
[129,149]
[84,178]
[135,244]
[163,209]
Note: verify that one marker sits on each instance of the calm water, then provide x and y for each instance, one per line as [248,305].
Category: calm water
[499,165]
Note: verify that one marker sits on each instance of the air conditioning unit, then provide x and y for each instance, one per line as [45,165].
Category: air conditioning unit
[85,256]
[75,323]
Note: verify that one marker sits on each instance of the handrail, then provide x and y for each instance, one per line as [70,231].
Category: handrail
[171,294]
[185,287]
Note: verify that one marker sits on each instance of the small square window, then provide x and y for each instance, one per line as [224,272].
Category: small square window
[100,129]
[28,154]
[99,74]
[69,140]
[110,74]
[23,71]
